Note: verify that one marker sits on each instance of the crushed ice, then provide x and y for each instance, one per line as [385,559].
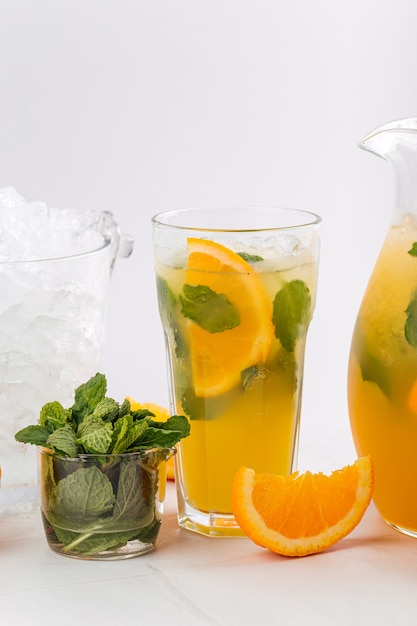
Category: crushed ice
[32,231]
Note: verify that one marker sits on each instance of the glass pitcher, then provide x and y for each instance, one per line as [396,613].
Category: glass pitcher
[55,267]
[382,375]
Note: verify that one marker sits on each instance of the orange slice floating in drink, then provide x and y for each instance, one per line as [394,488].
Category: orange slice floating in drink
[218,358]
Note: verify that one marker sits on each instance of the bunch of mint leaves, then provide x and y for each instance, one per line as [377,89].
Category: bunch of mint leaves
[93,502]
[96,424]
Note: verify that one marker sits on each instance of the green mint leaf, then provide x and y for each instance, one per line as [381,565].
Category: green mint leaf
[252,375]
[53,415]
[250,258]
[156,436]
[413,249]
[126,432]
[192,405]
[211,310]
[120,429]
[373,371]
[166,296]
[410,327]
[94,435]
[291,313]
[124,408]
[88,395]
[107,410]
[139,414]
[99,425]
[372,368]
[150,532]
[135,433]
[90,543]
[135,493]
[63,440]
[34,434]
[177,423]
[84,494]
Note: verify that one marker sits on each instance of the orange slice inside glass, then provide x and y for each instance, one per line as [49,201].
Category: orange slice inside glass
[302,514]
[218,358]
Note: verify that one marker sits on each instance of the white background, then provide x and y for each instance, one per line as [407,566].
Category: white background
[137,106]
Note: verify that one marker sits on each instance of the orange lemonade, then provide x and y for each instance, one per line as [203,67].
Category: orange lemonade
[383,376]
[235,326]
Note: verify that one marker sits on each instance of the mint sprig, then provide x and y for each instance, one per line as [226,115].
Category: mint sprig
[96,424]
[96,502]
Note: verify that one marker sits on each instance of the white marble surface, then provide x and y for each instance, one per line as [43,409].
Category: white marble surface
[370,577]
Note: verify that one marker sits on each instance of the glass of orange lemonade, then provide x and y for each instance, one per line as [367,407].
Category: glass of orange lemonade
[236,293]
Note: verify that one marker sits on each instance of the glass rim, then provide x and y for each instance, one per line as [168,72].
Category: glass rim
[163,218]
[84,456]
[106,243]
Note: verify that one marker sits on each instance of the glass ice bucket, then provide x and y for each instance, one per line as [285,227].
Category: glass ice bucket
[55,267]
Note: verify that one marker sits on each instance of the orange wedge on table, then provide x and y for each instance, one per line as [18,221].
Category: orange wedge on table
[161,415]
[302,514]
[218,358]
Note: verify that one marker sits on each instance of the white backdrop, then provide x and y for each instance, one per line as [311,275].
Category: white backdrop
[137,106]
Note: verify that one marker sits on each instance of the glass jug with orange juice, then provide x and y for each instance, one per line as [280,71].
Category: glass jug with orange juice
[382,376]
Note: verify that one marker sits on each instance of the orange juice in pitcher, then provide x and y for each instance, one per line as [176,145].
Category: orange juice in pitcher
[382,378]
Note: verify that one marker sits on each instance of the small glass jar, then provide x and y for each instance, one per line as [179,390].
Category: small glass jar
[103,506]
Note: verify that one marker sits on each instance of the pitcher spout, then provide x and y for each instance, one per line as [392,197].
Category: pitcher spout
[384,140]
[396,142]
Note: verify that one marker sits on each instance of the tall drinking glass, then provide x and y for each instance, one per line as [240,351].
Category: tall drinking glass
[236,292]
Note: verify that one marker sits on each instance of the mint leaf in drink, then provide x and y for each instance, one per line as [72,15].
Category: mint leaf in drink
[410,327]
[373,371]
[88,395]
[372,367]
[211,310]
[166,297]
[84,494]
[250,258]
[291,313]
[63,440]
[88,544]
[35,434]
[150,532]
[132,502]
[193,406]
[252,375]
[413,249]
